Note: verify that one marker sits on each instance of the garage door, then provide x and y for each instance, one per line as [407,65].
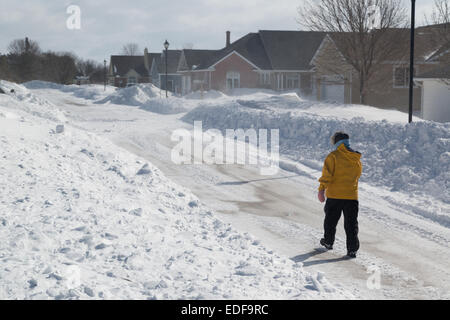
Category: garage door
[333,92]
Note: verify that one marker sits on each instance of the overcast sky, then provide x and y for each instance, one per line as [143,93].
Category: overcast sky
[106,25]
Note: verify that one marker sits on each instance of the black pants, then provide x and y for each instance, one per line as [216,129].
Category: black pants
[333,210]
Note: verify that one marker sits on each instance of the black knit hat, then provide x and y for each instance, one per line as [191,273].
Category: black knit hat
[338,136]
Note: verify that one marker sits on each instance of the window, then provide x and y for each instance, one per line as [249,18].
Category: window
[233,80]
[401,77]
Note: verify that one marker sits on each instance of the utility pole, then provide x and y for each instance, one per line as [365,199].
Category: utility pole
[411,61]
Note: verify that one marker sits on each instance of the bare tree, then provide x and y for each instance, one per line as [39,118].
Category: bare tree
[441,12]
[21,46]
[363,45]
[24,59]
[440,20]
[88,67]
[131,49]
[58,67]
[5,72]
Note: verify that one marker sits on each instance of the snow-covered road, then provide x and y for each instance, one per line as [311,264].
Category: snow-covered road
[409,253]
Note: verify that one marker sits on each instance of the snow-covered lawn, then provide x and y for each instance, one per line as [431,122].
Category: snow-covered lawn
[142,236]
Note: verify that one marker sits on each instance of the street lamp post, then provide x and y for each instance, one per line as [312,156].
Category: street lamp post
[104,74]
[166,46]
[411,61]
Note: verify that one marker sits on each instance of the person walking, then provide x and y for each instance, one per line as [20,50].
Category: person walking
[339,184]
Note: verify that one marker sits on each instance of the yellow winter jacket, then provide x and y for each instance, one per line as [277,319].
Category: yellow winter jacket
[340,174]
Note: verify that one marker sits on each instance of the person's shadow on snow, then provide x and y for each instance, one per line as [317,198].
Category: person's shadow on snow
[303,257]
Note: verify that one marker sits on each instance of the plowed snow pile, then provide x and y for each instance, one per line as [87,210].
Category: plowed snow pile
[412,158]
[84,219]
[91,91]
[147,97]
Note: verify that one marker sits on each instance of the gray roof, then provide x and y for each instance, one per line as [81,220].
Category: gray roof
[195,57]
[291,50]
[434,26]
[250,47]
[426,47]
[152,56]
[439,73]
[273,50]
[441,51]
[123,64]
[173,58]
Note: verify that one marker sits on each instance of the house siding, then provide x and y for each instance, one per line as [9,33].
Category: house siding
[329,63]
[199,80]
[381,92]
[176,83]
[234,63]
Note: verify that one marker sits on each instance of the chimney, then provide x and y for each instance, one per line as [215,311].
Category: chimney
[146,62]
[228,38]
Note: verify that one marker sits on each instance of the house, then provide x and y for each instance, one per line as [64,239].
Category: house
[435,87]
[337,80]
[126,71]
[190,60]
[158,71]
[277,60]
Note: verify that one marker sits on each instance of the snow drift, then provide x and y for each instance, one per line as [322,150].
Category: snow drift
[199,95]
[147,97]
[23,99]
[89,91]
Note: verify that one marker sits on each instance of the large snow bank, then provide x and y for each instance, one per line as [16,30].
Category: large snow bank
[89,91]
[147,97]
[84,219]
[23,99]
[413,158]
[299,105]
[133,96]
[254,92]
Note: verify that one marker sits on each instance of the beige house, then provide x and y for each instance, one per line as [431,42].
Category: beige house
[337,80]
